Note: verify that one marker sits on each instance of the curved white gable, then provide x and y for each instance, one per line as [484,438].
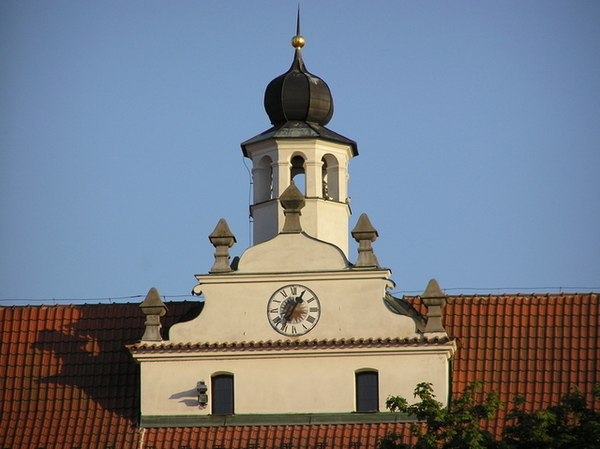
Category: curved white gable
[292,253]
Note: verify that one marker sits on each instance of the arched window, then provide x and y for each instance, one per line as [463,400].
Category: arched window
[298,174]
[325,180]
[262,175]
[222,394]
[330,177]
[367,391]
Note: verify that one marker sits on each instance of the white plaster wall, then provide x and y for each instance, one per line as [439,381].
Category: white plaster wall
[351,300]
[321,219]
[350,308]
[325,220]
[292,253]
[328,221]
[315,381]
[358,314]
[266,222]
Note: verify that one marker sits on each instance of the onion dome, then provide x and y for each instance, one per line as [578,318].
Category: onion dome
[298,95]
[299,105]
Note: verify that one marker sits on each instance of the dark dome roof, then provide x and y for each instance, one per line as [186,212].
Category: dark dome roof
[297,95]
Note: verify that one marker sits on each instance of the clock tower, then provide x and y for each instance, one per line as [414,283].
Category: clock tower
[293,332]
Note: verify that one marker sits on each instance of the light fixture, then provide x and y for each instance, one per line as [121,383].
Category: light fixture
[201,388]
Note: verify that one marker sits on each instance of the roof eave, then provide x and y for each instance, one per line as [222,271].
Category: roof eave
[299,130]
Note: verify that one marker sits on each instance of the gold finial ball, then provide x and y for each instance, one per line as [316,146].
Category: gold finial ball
[298,42]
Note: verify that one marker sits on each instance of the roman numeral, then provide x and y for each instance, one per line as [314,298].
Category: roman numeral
[310,300]
[274,311]
[284,293]
[311,319]
[314,309]
[294,290]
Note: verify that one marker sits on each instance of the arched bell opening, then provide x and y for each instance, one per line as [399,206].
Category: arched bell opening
[298,174]
[330,177]
[262,175]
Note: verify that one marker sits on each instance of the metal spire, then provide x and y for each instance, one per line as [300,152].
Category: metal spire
[298,41]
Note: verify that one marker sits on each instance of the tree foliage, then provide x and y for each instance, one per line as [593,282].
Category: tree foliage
[570,424]
[454,427]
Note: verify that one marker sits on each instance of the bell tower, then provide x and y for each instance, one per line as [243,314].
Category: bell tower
[300,148]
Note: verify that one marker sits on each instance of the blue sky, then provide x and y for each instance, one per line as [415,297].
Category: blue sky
[478,128]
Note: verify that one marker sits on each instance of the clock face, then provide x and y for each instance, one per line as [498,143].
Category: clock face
[293,310]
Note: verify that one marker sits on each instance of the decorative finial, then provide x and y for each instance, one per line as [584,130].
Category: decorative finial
[153,308]
[434,299]
[364,233]
[298,41]
[292,202]
[222,239]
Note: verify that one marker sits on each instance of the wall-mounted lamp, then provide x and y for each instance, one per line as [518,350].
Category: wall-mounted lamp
[202,396]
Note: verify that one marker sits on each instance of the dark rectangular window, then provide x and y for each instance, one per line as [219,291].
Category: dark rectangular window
[222,394]
[367,391]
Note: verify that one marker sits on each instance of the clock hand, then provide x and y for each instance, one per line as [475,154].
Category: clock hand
[288,309]
[291,306]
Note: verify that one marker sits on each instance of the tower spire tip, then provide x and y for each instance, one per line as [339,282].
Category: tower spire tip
[298,41]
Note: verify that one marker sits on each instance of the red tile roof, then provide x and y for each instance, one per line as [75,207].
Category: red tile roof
[333,436]
[537,346]
[69,381]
